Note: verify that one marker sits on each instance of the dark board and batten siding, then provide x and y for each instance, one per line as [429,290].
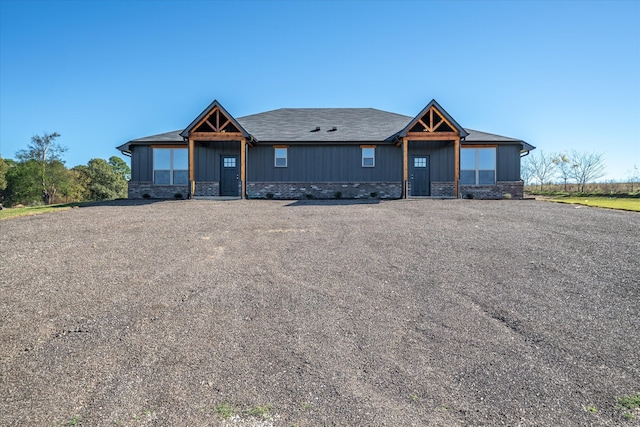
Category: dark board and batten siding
[441,161]
[327,163]
[141,163]
[207,159]
[508,162]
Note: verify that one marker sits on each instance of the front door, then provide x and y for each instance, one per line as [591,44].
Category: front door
[229,175]
[420,185]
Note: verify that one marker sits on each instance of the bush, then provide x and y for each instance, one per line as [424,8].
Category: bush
[338,194]
[146,196]
[178,196]
[269,195]
[373,194]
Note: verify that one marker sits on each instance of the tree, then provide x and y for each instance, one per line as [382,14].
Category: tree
[3,174]
[44,150]
[634,177]
[563,167]
[23,183]
[586,167]
[105,181]
[120,167]
[541,167]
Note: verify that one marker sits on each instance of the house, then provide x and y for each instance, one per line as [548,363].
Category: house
[297,153]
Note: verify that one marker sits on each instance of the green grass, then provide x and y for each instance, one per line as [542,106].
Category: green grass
[7,213]
[625,204]
[629,402]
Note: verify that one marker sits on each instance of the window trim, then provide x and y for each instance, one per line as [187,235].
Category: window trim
[477,169]
[171,169]
[373,157]
[275,156]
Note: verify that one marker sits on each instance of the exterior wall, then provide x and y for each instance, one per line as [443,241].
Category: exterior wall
[324,163]
[508,163]
[443,189]
[141,163]
[515,190]
[324,190]
[146,190]
[207,189]
[207,159]
[441,158]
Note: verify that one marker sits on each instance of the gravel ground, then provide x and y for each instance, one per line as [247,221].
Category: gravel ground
[272,313]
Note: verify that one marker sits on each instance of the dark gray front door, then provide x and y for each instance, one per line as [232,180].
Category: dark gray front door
[420,185]
[229,175]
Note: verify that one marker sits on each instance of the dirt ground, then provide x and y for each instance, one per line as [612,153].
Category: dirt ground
[282,313]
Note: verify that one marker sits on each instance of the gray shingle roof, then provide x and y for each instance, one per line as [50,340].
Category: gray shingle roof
[299,124]
[478,136]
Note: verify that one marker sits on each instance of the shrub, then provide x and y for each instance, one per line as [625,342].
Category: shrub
[309,196]
[373,194]
[146,196]
[178,196]
[338,194]
[269,195]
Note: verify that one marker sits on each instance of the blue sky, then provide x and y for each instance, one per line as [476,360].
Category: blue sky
[560,75]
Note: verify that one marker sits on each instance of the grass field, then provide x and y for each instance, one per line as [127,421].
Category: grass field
[7,213]
[626,204]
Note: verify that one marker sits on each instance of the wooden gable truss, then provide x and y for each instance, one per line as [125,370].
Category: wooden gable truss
[433,123]
[216,124]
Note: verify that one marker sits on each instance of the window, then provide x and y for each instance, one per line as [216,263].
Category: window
[170,166]
[229,162]
[280,157]
[478,166]
[368,157]
[419,162]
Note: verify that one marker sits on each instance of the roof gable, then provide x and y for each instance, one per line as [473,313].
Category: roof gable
[433,119]
[215,120]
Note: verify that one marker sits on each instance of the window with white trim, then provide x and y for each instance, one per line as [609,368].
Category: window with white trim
[170,166]
[478,166]
[280,155]
[368,157]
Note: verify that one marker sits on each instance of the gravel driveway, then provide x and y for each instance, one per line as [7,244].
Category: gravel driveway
[398,313]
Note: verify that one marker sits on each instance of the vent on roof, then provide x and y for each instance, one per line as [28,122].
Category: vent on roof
[333,129]
[316,129]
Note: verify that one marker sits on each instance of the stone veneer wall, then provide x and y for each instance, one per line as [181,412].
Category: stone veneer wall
[138,190]
[443,189]
[324,190]
[207,189]
[498,191]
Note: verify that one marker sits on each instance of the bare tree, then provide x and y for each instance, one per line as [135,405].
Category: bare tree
[564,167]
[45,150]
[541,167]
[634,177]
[586,167]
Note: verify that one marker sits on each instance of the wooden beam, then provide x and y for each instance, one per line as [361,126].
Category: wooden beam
[211,125]
[192,183]
[405,166]
[243,168]
[426,128]
[433,136]
[456,160]
[224,124]
[222,136]
[431,118]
